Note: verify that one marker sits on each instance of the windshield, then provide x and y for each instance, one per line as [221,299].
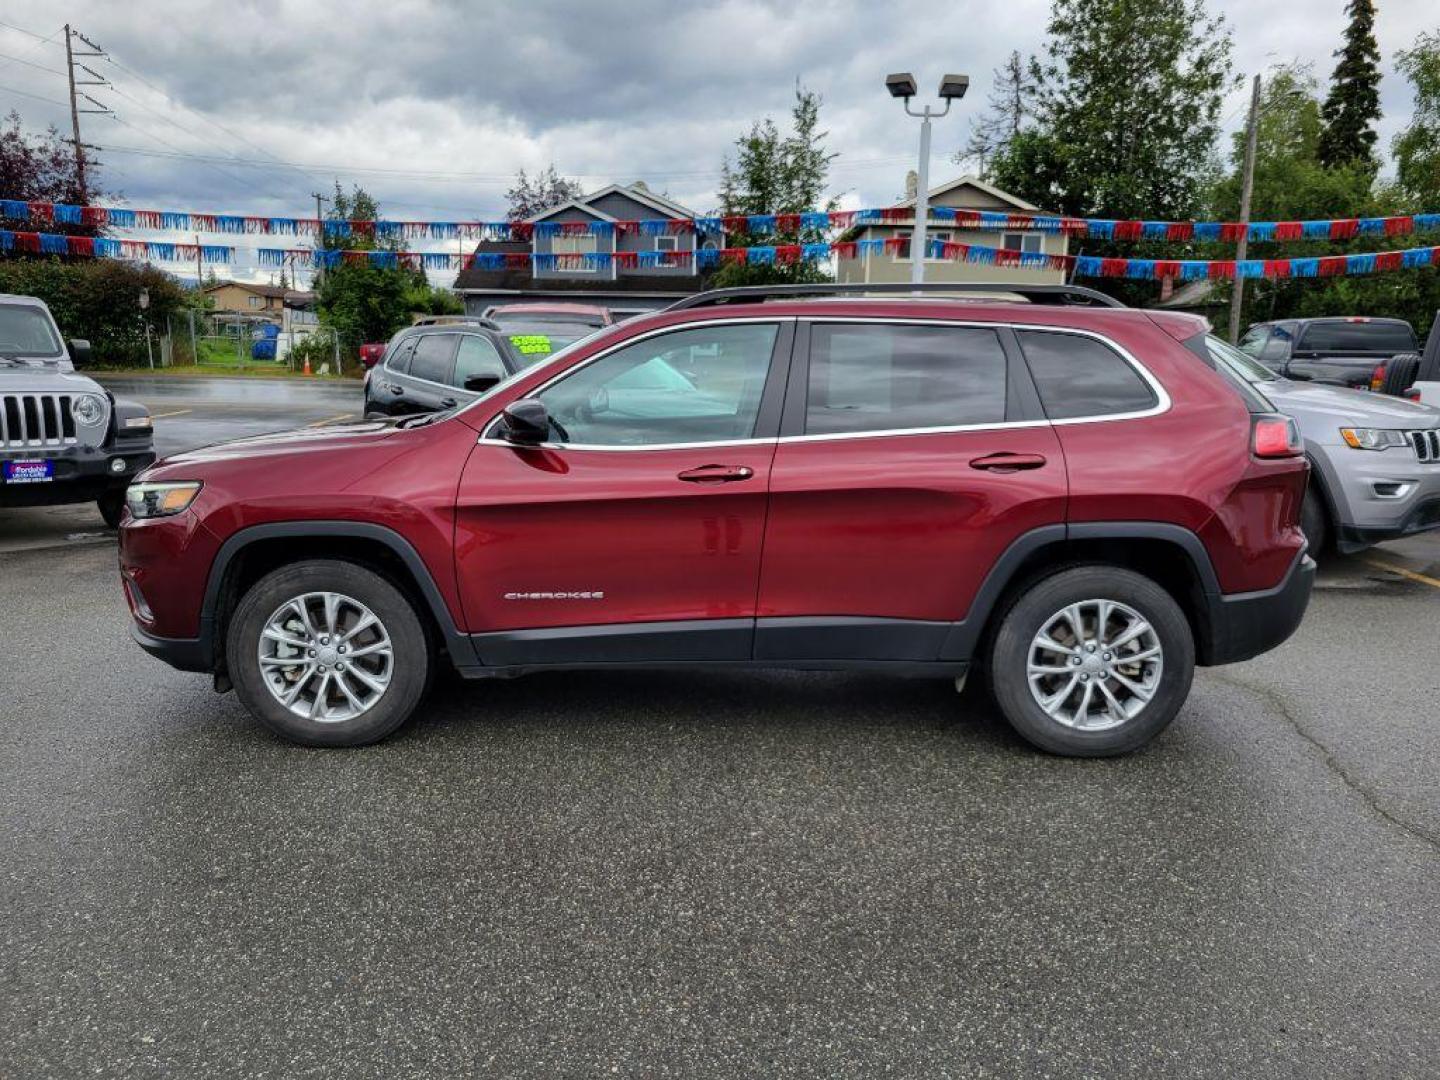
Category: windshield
[26,330]
[535,340]
[1386,337]
[1239,363]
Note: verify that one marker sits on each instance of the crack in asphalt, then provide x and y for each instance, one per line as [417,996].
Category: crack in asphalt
[1368,797]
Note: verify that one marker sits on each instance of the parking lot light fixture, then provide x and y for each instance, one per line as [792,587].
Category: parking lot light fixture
[903,85]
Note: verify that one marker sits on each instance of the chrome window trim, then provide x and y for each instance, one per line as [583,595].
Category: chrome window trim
[1162,397]
[431,382]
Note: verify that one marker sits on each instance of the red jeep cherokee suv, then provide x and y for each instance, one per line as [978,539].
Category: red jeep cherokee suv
[1052,487]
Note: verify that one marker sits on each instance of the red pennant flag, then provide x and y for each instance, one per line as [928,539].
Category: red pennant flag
[1399,226]
[787,254]
[42,211]
[1289,230]
[1167,268]
[1344,229]
[27,241]
[96,216]
[787,223]
[844,249]
[521,230]
[627,260]
[1332,265]
[1129,230]
[1113,267]
[516,259]
[1388,260]
[1222,268]
[733,255]
[1180,230]
[1277,268]
[1231,231]
[80,245]
[736,223]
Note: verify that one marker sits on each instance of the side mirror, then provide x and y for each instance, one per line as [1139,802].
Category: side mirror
[478,384]
[79,352]
[525,422]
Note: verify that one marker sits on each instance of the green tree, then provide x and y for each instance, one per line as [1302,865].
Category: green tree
[1127,109]
[41,167]
[1353,105]
[1417,148]
[529,196]
[777,174]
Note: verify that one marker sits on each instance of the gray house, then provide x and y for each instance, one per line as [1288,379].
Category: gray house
[648,268]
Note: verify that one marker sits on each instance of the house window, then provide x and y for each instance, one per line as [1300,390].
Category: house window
[256,301]
[574,245]
[1023,241]
[931,235]
[667,243]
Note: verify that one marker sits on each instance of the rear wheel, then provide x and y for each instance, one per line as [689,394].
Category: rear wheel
[1092,661]
[328,653]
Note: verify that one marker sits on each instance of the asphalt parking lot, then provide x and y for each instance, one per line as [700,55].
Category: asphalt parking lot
[710,875]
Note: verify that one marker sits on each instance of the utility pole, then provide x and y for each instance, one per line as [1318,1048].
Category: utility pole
[319,228]
[75,95]
[1247,184]
[199,264]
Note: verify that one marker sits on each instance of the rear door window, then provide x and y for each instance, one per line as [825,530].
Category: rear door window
[883,377]
[1079,376]
[434,357]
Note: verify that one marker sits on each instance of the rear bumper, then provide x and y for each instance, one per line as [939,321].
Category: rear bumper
[1243,625]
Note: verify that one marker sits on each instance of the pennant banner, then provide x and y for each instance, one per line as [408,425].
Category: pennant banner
[716,227]
[707,258]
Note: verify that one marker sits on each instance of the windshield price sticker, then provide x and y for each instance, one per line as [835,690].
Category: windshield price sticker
[531,343]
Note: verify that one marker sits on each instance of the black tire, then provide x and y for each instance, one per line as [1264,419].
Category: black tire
[1314,520]
[1032,608]
[1401,371]
[111,505]
[412,658]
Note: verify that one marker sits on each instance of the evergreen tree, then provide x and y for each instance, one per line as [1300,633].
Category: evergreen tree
[1010,102]
[1353,105]
[1127,110]
[777,174]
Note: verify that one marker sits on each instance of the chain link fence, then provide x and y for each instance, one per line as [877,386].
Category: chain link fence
[235,341]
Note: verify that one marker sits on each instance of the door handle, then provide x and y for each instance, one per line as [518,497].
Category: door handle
[716,474]
[1005,462]
[447,402]
[397,390]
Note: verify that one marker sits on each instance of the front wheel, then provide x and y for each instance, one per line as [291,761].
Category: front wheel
[328,653]
[1092,662]
[112,504]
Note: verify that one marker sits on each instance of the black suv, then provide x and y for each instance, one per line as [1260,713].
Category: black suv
[427,368]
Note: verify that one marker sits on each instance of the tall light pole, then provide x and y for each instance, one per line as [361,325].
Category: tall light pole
[1247,185]
[903,85]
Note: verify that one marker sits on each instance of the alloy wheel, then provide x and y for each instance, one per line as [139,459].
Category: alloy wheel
[1094,665]
[326,657]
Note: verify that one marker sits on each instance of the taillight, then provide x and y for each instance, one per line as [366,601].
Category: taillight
[1377,378]
[1412,394]
[1274,436]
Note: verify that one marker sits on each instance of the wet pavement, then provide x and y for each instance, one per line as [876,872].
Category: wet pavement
[730,874]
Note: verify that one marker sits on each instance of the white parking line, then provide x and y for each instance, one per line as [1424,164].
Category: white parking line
[173,412]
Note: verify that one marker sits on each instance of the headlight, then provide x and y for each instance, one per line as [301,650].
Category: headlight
[88,410]
[160,499]
[1364,438]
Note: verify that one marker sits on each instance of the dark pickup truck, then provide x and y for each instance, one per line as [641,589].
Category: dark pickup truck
[1344,350]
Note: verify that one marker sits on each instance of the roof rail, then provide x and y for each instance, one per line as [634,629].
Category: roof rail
[1035,294]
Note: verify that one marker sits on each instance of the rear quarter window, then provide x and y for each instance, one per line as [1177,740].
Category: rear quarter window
[1079,376]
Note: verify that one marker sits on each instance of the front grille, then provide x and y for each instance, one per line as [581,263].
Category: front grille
[28,420]
[1426,444]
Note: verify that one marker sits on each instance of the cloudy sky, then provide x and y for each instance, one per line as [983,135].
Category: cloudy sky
[249,106]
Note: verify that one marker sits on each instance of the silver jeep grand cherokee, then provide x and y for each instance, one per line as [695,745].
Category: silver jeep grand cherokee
[1375,459]
[63,437]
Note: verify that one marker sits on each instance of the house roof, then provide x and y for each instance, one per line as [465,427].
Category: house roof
[473,279]
[646,197]
[979,185]
[573,204]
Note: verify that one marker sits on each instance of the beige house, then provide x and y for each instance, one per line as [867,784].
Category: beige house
[964,193]
[269,302]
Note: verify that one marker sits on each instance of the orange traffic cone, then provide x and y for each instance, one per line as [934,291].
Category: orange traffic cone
[307,365]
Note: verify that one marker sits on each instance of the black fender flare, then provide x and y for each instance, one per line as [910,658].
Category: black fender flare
[462,653]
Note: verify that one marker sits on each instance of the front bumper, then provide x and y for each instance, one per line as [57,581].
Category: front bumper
[82,473]
[1242,625]
[185,654]
[1379,495]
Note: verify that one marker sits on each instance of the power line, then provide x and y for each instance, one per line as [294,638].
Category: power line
[30,63]
[37,97]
